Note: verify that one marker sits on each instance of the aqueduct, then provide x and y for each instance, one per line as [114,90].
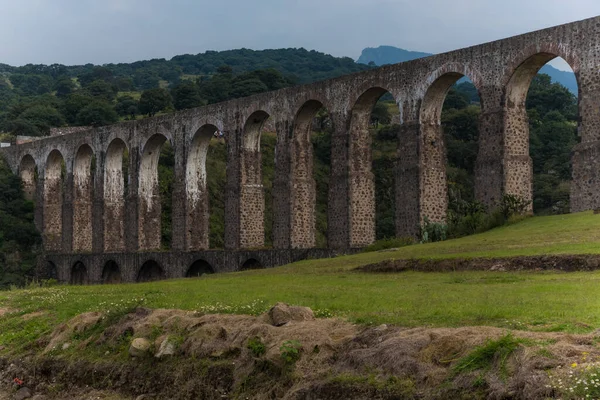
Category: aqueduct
[101,219]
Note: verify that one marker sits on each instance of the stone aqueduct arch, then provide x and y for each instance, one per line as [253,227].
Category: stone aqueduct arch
[114,209]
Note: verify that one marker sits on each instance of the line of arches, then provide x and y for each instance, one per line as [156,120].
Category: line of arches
[302,193]
[151,270]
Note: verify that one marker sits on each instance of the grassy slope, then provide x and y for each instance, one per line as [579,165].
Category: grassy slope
[540,301]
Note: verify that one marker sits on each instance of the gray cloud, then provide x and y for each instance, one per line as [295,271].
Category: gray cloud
[103,31]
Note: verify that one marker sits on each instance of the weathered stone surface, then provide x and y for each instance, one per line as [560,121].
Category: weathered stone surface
[22,394]
[167,348]
[139,347]
[281,313]
[93,216]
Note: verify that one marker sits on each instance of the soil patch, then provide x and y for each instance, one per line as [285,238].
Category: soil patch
[567,263]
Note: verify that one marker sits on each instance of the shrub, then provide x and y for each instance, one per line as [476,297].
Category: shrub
[290,351]
[256,346]
[433,231]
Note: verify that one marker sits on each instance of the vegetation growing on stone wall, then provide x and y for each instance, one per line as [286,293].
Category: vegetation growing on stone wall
[19,240]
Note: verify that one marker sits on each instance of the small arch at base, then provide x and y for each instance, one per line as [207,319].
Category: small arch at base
[251,263]
[199,268]
[111,273]
[151,271]
[79,274]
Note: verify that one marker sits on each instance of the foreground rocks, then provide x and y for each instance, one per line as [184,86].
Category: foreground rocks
[288,354]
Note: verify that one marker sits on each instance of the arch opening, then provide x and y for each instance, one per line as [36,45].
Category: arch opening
[205,186]
[541,122]
[79,274]
[83,197]
[115,185]
[54,180]
[252,195]
[251,263]
[151,271]
[29,175]
[374,140]
[449,120]
[155,194]
[111,274]
[310,168]
[199,268]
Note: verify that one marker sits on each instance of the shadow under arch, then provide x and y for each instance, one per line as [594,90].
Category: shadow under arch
[432,155]
[54,175]
[199,268]
[151,271]
[83,188]
[518,164]
[50,271]
[149,227]
[79,274]
[198,206]
[251,263]
[115,178]
[111,273]
[362,201]
[28,173]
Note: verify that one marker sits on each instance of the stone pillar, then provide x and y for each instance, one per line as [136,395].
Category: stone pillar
[98,205]
[53,204]
[178,213]
[585,187]
[407,174]
[252,200]
[361,180]
[432,166]
[132,206]
[232,191]
[283,184]
[338,233]
[68,213]
[113,200]
[518,166]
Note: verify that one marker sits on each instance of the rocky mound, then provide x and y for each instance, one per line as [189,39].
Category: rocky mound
[288,354]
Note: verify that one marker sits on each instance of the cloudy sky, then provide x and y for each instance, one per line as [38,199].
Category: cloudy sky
[104,31]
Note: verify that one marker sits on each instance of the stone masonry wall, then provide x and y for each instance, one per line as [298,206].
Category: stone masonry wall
[112,213]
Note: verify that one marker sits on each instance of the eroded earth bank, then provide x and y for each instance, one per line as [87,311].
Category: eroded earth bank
[288,354]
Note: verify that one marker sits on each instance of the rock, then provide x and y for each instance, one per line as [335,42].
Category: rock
[22,394]
[139,347]
[39,397]
[280,314]
[65,346]
[167,348]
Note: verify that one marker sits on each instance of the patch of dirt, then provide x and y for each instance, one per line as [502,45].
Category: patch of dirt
[37,314]
[4,311]
[566,263]
[239,356]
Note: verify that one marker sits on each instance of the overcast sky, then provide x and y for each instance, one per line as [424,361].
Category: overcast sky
[104,31]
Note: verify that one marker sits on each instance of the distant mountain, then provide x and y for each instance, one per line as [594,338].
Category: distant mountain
[383,55]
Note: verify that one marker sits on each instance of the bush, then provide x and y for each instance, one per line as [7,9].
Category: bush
[433,231]
[391,243]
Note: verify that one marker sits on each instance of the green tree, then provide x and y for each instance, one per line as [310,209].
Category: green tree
[186,95]
[64,87]
[127,106]
[97,113]
[153,101]
[103,90]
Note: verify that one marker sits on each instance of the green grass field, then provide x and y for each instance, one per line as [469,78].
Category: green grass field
[548,301]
